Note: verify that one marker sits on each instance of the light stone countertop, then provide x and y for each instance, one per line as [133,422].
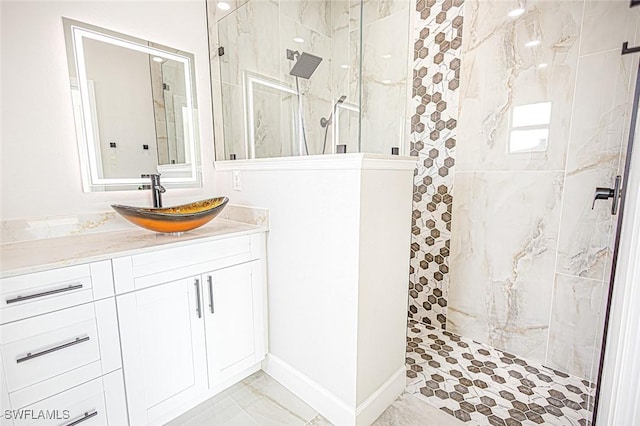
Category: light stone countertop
[42,254]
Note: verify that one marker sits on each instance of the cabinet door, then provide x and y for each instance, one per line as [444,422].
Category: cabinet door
[163,348]
[233,320]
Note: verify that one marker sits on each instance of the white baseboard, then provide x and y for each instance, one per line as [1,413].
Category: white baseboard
[382,398]
[328,405]
[323,401]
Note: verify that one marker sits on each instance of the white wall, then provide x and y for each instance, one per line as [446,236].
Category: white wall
[306,302]
[383,291]
[39,165]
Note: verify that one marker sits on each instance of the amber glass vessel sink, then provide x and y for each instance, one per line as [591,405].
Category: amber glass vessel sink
[173,220]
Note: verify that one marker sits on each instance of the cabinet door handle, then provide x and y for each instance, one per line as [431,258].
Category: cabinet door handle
[74,342]
[210,279]
[86,417]
[198,306]
[44,293]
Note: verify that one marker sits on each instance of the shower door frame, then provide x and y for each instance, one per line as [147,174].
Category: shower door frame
[619,355]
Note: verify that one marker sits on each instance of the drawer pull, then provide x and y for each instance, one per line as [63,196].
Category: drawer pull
[86,416]
[44,293]
[29,356]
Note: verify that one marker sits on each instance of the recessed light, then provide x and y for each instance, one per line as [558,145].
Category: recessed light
[532,43]
[543,65]
[157,59]
[386,81]
[386,56]
[516,12]
[223,5]
[344,66]
[298,40]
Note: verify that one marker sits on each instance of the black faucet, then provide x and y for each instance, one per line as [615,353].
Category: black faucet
[156,189]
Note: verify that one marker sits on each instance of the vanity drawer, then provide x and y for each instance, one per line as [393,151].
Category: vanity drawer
[29,295]
[83,405]
[148,269]
[164,260]
[48,346]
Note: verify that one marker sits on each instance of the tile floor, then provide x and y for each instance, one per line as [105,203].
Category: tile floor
[257,400]
[260,400]
[484,386]
[451,381]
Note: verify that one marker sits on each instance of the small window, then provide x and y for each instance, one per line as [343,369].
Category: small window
[530,128]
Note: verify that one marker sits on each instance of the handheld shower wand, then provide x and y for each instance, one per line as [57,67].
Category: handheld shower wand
[326,122]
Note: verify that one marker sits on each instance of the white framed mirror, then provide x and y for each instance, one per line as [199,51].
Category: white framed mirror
[134,107]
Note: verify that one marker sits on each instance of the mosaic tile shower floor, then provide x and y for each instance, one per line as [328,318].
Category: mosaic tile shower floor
[481,385]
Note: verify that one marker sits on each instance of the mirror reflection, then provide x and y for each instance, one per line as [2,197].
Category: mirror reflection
[135,109]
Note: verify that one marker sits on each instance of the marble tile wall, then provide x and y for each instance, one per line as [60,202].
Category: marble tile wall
[597,147]
[502,264]
[255,35]
[385,52]
[529,257]
[245,48]
[345,72]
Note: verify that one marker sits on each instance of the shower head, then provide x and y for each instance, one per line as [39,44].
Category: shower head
[305,65]
[341,100]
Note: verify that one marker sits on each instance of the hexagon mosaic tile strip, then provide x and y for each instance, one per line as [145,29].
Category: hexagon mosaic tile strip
[436,72]
[484,386]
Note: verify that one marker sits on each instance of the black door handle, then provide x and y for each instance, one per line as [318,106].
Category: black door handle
[606,193]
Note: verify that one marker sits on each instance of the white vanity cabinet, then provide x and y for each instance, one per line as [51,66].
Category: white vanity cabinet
[133,336]
[60,349]
[192,321]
